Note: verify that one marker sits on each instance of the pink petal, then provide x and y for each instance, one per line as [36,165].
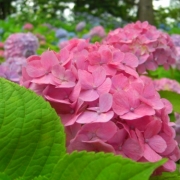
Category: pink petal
[35,69]
[144,110]
[86,79]
[87,117]
[118,138]
[99,76]
[58,71]
[49,59]
[100,146]
[150,154]
[131,71]
[130,60]
[104,131]
[105,87]
[119,82]
[33,58]
[75,92]
[132,149]
[120,104]
[106,55]
[94,58]
[152,128]
[105,117]
[130,116]
[88,95]
[170,166]
[157,143]
[71,132]
[46,79]
[105,102]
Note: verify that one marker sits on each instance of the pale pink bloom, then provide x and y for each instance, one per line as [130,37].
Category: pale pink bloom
[125,145]
[102,113]
[63,44]
[152,143]
[127,105]
[151,46]
[97,31]
[167,85]
[93,137]
[28,26]
[40,67]
[62,77]
[93,84]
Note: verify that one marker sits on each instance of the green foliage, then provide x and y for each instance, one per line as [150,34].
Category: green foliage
[173,97]
[3,176]
[31,137]
[160,72]
[98,166]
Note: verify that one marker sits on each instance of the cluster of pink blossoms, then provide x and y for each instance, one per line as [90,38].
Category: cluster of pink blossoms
[152,47]
[103,103]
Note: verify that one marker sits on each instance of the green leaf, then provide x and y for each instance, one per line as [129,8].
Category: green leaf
[41,178]
[31,136]
[3,176]
[167,176]
[172,117]
[98,166]
[36,178]
[173,97]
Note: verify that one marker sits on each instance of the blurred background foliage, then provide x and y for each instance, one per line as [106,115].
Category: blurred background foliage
[124,10]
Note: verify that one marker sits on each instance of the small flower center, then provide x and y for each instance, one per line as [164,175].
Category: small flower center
[131,109]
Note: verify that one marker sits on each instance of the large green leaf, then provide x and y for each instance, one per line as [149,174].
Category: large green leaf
[31,136]
[98,166]
[173,97]
[4,177]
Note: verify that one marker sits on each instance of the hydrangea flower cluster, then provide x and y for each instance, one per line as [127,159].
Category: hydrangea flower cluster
[28,26]
[176,40]
[17,47]
[97,31]
[80,26]
[152,47]
[20,45]
[103,103]
[167,85]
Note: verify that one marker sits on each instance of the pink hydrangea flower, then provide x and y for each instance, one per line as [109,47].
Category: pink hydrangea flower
[103,103]
[167,85]
[97,31]
[152,47]
[28,26]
